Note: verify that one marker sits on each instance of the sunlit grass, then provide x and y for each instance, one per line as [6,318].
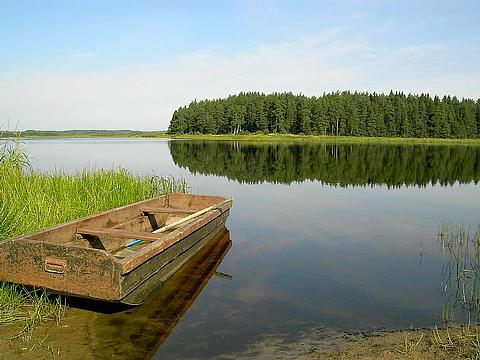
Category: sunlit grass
[323,139]
[35,201]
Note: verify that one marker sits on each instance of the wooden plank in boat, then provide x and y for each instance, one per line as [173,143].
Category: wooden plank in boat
[117,233]
[152,210]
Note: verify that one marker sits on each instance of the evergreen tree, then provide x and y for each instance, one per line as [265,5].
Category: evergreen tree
[439,122]
[354,114]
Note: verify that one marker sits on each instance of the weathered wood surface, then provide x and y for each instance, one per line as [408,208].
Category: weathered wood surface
[139,284]
[162,265]
[167,210]
[121,234]
[87,272]
[193,216]
[59,260]
[178,234]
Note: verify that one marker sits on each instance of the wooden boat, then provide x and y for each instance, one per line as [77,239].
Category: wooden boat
[121,255]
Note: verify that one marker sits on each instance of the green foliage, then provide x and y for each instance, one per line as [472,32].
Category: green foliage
[31,201]
[12,155]
[339,114]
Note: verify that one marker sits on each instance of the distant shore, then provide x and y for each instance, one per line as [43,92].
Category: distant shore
[59,134]
[324,139]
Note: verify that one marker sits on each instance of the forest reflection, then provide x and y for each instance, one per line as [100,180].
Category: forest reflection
[332,164]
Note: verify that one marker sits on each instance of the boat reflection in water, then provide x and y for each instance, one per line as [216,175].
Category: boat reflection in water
[136,333]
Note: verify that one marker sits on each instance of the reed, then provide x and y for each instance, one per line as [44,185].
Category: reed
[31,201]
[460,247]
[12,154]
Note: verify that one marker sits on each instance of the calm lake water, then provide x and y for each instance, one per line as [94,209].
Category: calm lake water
[321,238]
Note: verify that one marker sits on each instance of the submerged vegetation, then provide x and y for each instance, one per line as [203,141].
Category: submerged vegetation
[338,114]
[19,305]
[31,201]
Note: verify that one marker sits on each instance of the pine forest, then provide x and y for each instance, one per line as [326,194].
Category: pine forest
[339,113]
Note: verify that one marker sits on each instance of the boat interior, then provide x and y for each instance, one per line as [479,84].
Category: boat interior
[126,230]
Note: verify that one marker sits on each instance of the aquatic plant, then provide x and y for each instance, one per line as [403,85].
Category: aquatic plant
[28,307]
[461,272]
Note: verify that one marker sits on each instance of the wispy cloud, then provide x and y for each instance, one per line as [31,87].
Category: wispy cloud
[358,15]
[420,50]
[144,97]
[147,96]
[78,56]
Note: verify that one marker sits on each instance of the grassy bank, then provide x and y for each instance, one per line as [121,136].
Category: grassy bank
[326,139]
[31,201]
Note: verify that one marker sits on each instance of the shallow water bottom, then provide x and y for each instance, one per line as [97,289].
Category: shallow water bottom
[74,340]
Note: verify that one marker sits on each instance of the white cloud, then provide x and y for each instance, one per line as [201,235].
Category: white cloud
[85,55]
[145,97]
[78,56]
[419,50]
[358,15]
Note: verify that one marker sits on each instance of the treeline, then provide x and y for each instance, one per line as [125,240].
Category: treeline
[337,165]
[338,113]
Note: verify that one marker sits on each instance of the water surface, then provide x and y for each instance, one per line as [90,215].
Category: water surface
[337,237]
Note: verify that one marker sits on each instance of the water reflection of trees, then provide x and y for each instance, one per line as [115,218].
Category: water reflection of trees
[339,165]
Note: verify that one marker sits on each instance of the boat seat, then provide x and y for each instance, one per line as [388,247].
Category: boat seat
[153,210]
[118,233]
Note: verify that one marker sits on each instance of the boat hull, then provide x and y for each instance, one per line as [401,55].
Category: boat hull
[64,260]
[141,282]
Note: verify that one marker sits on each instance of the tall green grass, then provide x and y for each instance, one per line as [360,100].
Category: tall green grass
[11,154]
[31,201]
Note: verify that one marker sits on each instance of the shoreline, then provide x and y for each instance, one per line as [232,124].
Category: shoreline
[326,139]
[385,344]
[272,138]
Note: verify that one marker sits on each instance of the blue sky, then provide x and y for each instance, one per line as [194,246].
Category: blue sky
[129,64]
